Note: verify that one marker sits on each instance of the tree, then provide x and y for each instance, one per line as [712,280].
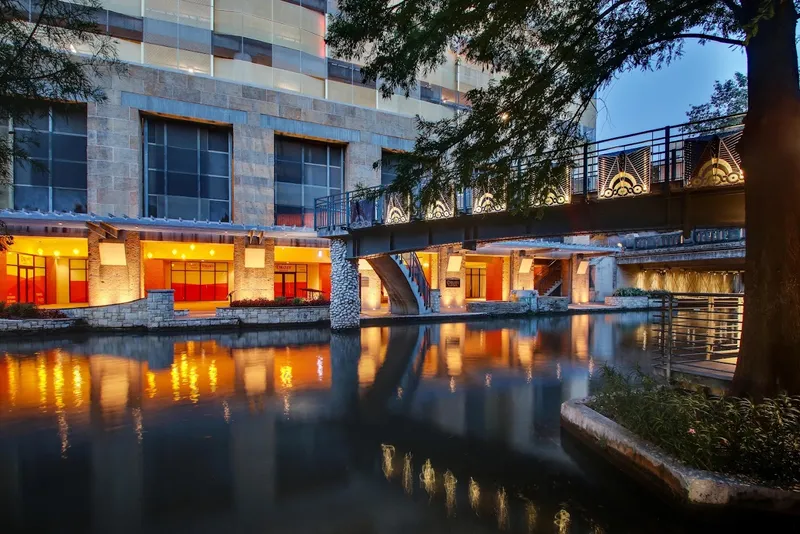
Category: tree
[49,51]
[555,55]
[728,98]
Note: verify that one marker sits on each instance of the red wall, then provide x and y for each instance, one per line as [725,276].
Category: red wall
[3,280]
[50,269]
[325,279]
[494,279]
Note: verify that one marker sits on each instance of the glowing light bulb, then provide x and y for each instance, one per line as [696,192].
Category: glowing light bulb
[211,252]
[39,252]
[191,247]
[505,116]
[76,251]
[174,251]
[56,253]
[149,255]
[319,254]
[183,256]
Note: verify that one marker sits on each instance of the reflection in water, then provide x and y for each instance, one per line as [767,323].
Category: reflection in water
[164,430]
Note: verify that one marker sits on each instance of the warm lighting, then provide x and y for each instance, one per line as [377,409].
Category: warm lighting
[502,509]
[426,264]
[211,252]
[428,477]
[75,251]
[583,267]
[286,376]
[183,256]
[254,258]
[191,247]
[112,254]
[525,265]
[474,494]
[56,253]
[319,254]
[450,492]
[562,521]
[505,116]
[174,251]
[149,255]
[39,251]
[408,474]
[388,459]
[454,264]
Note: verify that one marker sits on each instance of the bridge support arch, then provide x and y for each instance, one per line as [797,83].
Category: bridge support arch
[345,292]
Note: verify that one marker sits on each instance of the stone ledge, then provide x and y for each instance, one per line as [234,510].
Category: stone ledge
[499,307]
[628,303]
[277,315]
[21,326]
[691,487]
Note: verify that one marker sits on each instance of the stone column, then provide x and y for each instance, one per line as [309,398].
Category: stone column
[253,175]
[579,283]
[451,296]
[358,161]
[345,298]
[436,301]
[113,284]
[370,289]
[248,282]
[506,279]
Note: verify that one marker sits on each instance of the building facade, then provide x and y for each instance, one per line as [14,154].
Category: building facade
[200,171]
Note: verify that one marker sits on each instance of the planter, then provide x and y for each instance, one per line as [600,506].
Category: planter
[690,487]
[628,303]
[277,315]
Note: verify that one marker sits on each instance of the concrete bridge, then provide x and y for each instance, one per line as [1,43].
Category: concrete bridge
[674,178]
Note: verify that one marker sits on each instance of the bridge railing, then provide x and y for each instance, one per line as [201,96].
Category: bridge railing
[698,237]
[691,155]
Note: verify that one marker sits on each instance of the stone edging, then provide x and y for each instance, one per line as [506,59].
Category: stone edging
[692,487]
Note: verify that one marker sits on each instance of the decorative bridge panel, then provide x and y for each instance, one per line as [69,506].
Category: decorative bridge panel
[397,208]
[624,174]
[714,160]
[562,189]
[486,202]
[443,208]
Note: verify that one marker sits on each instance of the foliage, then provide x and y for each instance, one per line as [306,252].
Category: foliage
[728,98]
[279,302]
[549,58]
[27,311]
[630,292]
[759,442]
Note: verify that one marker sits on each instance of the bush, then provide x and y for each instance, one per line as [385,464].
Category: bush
[278,302]
[27,311]
[757,442]
[630,292]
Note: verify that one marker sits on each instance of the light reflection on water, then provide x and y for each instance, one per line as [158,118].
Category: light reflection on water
[247,425]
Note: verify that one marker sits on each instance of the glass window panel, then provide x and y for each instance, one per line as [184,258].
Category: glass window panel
[181,135]
[69,200]
[156,206]
[181,160]
[184,185]
[336,178]
[286,58]
[316,154]
[219,211]
[33,172]
[69,147]
[288,172]
[340,71]
[181,207]
[289,149]
[222,267]
[288,194]
[316,175]
[216,188]
[259,52]
[69,119]
[69,174]
[32,198]
[313,193]
[214,163]
[155,156]
[218,139]
[155,132]
[156,184]
[35,144]
[336,156]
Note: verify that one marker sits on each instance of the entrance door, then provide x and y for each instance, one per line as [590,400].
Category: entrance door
[27,286]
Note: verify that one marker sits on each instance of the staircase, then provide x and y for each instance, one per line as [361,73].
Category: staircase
[405,282]
[549,280]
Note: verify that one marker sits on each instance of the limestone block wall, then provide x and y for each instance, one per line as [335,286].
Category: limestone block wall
[358,161]
[370,290]
[552,304]
[253,283]
[345,307]
[154,311]
[11,326]
[451,297]
[285,316]
[436,300]
[628,302]
[499,307]
[114,284]
[579,288]
[519,281]
[253,175]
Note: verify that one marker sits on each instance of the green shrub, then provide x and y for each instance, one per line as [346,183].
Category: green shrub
[297,301]
[759,442]
[27,311]
[659,293]
[630,292]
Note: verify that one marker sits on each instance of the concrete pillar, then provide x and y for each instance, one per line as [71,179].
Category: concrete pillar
[451,297]
[249,282]
[520,280]
[113,284]
[253,175]
[358,161]
[506,279]
[579,283]
[345,298]
[566,278]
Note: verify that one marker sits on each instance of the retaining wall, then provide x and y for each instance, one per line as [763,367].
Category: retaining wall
[285,315]
[499,307]
[34,325]
[628,303]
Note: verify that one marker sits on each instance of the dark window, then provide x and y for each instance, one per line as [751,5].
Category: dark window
[125,27]
[476,283]
[53,178]
[388,168]
[340,72]
[430,93]
[226,46]
[259,52]
[304,172]
[188,170]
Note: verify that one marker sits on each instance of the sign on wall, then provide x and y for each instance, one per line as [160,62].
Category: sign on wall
[452,282]
[364,281]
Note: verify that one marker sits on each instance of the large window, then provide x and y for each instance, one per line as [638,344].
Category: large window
[188,170]
[26,279]
[388,168]
[476,283]
[304,172]
[54,176]
[195,281]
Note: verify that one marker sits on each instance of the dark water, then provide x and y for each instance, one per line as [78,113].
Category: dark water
[408,429]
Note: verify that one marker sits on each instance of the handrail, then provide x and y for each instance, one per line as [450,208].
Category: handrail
[417,274]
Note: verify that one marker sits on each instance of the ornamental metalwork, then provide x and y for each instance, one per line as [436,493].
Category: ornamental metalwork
[444,207]
[713,161]
[397,211]
[624,174]
[561,192]
[485,202]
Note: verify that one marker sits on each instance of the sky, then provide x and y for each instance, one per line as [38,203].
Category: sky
[637,101]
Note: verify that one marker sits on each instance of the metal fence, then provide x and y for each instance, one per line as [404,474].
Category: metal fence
[697,333]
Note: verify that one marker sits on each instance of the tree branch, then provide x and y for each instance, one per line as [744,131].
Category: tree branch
[707,37]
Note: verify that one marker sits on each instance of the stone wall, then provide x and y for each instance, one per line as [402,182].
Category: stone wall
[154,311]
[345,309]
[114,284]
[11,326]
[628,303]
[579,283]
[451,297]
[520,281]
[499,307]
[253,175]
[436,300]
[289,315]
[251,283]
[553,304]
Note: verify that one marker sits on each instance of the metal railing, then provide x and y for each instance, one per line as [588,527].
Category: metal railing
[417,274]
[698,237]
[691,155]
[696,331]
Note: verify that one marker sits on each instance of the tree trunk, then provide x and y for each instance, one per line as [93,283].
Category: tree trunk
[769,360]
